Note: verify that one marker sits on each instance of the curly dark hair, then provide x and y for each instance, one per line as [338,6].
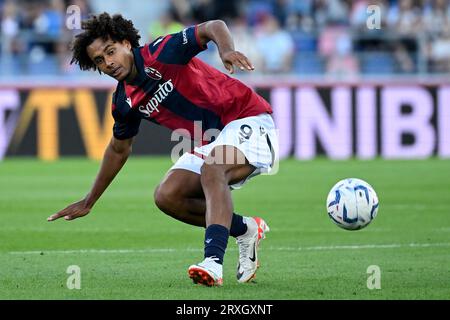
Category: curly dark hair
[102,26]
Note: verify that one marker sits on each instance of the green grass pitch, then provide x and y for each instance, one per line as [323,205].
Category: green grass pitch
[127,249]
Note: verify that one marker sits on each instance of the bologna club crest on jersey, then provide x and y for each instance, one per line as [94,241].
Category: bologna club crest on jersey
[153,73]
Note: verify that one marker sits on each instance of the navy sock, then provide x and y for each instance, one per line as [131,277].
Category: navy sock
[238,227]
[216,240]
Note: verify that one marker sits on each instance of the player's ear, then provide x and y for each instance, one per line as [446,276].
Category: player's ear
[127,44]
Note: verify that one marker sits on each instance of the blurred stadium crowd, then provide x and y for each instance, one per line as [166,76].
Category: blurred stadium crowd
[299,37]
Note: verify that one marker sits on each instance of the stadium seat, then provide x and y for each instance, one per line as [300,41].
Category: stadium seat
[48,65]
[304,41]
[9,67]
[377,63]
[306,63]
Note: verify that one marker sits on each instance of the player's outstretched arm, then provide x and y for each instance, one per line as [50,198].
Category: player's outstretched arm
[115,156]
[217,31]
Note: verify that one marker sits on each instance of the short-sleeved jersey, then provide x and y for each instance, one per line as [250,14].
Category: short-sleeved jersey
[175,89]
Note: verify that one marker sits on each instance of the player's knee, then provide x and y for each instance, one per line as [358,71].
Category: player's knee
[164,198]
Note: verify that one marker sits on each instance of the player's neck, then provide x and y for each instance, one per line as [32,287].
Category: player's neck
[133,73]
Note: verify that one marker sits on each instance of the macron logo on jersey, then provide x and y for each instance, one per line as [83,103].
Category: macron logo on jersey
[160,95]
[185,39]
[128,100]
[158,41]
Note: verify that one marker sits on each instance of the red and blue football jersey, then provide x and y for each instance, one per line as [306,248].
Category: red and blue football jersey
[175,89]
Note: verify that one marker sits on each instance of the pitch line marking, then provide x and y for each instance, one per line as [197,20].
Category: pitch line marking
[272,248]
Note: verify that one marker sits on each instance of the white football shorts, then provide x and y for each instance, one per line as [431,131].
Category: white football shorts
[255,137]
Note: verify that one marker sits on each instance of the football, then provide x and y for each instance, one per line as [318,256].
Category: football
[352,204]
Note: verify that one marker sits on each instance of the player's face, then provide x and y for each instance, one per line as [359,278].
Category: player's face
[112,57]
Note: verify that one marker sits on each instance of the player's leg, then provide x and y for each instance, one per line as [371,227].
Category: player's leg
[224,166]
[255,138]
[180,195]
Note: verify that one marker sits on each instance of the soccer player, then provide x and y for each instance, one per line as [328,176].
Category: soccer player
[163,82]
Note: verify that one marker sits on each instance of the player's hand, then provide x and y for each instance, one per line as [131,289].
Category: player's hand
[75,210]
[231,59]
